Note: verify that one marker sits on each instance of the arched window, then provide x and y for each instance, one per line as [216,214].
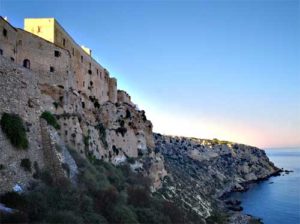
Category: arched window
[26,63]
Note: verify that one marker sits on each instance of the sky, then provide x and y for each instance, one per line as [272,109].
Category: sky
[208,69]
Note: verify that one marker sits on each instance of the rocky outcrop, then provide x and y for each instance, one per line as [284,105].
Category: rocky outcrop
[203,171]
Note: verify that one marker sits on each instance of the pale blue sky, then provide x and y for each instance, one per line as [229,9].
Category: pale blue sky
[225,69]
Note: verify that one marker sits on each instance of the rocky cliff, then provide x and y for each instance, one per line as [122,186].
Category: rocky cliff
[113,132]
[195,174]
[202,172]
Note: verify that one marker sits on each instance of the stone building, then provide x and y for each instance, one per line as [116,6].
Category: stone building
[46,48]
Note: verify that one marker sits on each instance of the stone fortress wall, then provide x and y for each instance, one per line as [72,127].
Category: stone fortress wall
[46,48]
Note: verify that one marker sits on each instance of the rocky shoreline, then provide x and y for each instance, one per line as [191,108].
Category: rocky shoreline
[247,184]
[204,173]
[235,206]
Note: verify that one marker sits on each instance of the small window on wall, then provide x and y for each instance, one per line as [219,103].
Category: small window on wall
[81,58]
[90,71]
[73,51]
[64,42]
[4,32]
[12,59]
[20,42]
[90,66]
[100,74]
[83,84]
[26,63]
[97,72]
[39,29]
[52,69]
[1,52]
[57,53]
[83,104]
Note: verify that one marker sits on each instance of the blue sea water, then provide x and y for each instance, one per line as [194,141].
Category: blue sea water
[276,200]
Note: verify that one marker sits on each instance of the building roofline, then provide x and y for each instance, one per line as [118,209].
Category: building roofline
[49,42]
[79,46]
[55,21]
[8,23]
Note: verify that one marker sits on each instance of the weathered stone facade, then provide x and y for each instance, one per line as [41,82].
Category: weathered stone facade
[46,48]
[43,69]
[19,94]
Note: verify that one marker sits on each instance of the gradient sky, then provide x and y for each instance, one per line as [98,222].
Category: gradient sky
[224,69]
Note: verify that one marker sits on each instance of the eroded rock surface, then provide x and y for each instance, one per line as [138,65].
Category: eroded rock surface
[201,171]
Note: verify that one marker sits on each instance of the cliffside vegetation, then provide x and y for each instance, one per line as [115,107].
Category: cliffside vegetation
[13,127]
[105,194]
[51,120]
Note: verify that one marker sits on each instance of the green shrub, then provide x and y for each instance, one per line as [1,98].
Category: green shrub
[150,215]
[51,120]
[63,217]
[26,164]
[217,217]
[36,174]
[138,196]
[131,160]
[104,194]
[55,104]
[13,127]
[102,134]
[16,217]
[123,214]
[86,140]
[94,218]
[13,200]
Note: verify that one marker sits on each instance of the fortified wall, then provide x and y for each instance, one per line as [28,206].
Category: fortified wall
[43,69]
[46,48]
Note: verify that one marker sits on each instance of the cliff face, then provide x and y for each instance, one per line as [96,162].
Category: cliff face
[193,173]
[110,131]
[201,171]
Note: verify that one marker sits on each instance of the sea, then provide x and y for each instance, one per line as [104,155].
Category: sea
[277,200]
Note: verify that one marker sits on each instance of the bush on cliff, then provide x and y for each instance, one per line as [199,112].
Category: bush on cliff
[26,164]
[13,127]
[51,120]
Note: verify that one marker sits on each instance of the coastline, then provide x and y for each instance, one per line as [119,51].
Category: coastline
[234,207]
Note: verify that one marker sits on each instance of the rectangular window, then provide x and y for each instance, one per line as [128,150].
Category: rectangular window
[1,52]
[52,69]
[56,53]
[97,72]
[90,66]
[64,42]
[90,71]
[83,84]
[12,59]
[39,29]
[81,58]
[73,51]
[4,32]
